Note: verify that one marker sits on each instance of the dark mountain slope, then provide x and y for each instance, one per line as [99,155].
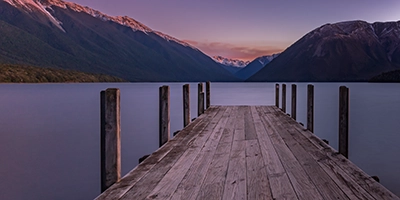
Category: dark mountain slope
[255,66]
[93,42]
[346,51]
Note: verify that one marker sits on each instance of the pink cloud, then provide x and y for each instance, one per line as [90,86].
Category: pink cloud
[234,51]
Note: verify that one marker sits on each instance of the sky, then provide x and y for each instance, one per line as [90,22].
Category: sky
[244,29]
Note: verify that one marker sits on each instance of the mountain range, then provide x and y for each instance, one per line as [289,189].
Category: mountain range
[345,51]
[58,34]
[232,65]
[255,66]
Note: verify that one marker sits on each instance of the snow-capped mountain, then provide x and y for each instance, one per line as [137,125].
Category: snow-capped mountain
[231,62]
[345,51]
[55,33]
[255,66]
[45,6]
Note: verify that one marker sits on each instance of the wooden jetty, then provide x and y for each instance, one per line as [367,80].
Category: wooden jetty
[246,152]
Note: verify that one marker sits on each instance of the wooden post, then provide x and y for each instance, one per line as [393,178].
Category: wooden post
[344,121]
[284,98]
[200,99]
[208,97]
[294,89]
[202,102]
[277,95]
[110,128]
[164,115]
[186,105]
[310,107]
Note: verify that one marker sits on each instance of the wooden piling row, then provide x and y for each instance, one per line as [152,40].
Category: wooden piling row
[343,112]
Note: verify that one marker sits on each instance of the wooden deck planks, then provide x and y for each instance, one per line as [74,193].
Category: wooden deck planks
[302,184]
[246,152]
[191,183]
[281,188]
[322,181]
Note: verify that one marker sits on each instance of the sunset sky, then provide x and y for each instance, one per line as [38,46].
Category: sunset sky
[244,29]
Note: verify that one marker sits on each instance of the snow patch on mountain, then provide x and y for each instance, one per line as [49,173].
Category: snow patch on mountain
[231,62]
[32,5]
[44,5]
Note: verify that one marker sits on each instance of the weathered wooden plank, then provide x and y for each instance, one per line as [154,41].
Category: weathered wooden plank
[189,160]
[110,137]
[235,184]
[190,185]
[249,129]
[281,187]
[185,137]
[229,130]
[344,121]
[154,176]
[186,104]
[325,185]
[310,107]
[303,186]
[352,180]
[239,133]
[164,116]
[213,185]
[347,185]
[256,175]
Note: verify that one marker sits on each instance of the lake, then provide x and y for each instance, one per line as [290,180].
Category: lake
[50,133]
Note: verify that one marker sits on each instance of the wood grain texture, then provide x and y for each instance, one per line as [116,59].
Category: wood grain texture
[294,101]
[164,117]
[169,183]
[284,98]
[327,188]
[200,99]
[310,107]
[191,183]
[213,185]
[302,184]
[279,182]
[110,128]
[277,95]
[208,94]
[246,152]
[186,104]
[235,184]
[344,121]
[185,137]
[256,174]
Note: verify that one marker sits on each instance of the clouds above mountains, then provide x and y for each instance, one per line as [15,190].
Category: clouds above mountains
[234,51]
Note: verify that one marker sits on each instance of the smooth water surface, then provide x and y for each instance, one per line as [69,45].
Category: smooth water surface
[50,135]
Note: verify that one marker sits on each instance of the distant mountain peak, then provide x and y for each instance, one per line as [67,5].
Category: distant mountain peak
[231,62]
[45,5]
